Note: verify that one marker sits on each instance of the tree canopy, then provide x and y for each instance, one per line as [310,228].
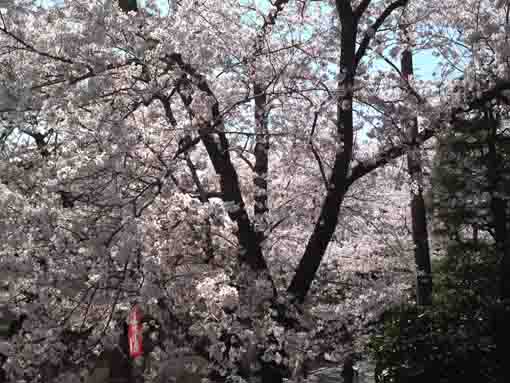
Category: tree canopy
[231,166]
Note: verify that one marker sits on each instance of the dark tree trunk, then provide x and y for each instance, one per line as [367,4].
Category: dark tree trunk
[217,147]
[337,185]
[321,236]
[340,179]
[261,167]
[348,372]
[418,210]
[269,372]
[498,208]
[261,162]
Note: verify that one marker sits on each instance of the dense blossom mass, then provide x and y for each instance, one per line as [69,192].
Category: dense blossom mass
[233,167]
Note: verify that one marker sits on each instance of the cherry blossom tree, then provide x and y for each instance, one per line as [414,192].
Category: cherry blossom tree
[135,144]
[102,193]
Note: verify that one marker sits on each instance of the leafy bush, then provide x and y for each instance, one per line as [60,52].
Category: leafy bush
[451,341]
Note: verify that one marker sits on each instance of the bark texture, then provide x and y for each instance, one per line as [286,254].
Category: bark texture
[418,210]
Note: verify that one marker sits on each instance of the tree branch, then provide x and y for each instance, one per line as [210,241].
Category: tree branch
[386,156]
[396,151]
[361,8]
[321,166]
[380,20]
[33,49]
[328,218]
[217,147]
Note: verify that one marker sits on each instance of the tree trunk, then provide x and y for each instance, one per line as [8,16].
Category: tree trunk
[498,208]
[261,162]
[418,210]
[348,372]
[340,179]
[337,185]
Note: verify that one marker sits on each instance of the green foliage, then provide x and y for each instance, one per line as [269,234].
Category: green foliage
[454,339]
[461,186]
[450,341]
[459,183]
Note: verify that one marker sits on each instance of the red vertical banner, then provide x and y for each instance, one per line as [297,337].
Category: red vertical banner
[135,335]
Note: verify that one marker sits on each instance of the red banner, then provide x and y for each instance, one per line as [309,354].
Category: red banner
[135,335]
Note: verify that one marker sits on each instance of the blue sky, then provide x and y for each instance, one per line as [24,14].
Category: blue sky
[425,64]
